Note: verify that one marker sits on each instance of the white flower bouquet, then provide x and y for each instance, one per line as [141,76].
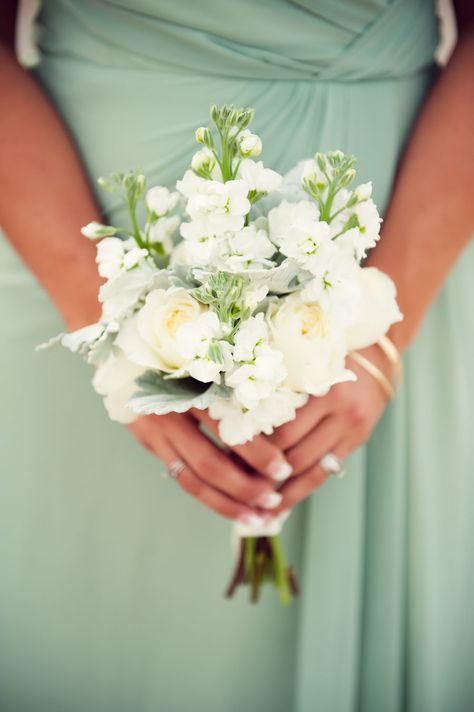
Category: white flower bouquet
[249,312]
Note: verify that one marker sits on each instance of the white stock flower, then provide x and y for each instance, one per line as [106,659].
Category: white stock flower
[110,253]
[258,178]
[202,245]
[149,337]
[115,380]
[115,255]
[364,237]
[261,369]
[312,343]
[194,340]
[377,308]
[299,233]
[160,200]
[220,206]
[179,255]
[311,172]
[336,287]
[237,425]
[189,184]
[248,248]
[285,216]
[252,332]
[162,231]
[249,144]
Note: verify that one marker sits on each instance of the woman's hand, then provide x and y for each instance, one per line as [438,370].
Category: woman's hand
[211,475]
[338,423]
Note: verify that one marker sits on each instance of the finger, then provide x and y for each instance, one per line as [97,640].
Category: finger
[193,485]
[306,419]
[260,453]
[216,468]
[298,488]
[317,443]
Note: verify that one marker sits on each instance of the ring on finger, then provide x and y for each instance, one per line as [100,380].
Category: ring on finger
[175,468]
[332,465]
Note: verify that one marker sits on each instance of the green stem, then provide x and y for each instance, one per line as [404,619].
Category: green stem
[133,220]
[280,570]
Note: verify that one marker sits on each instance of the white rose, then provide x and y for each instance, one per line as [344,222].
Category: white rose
[312,343]
[258,178]
[160,201]
[377,308]
[149,337]
[115,380]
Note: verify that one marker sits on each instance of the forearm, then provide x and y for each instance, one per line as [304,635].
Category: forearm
[45,197]
[431,216]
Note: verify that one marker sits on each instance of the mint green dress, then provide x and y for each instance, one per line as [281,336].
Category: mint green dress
[111,578]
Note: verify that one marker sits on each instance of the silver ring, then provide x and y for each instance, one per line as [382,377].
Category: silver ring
[175,469]
[332,465]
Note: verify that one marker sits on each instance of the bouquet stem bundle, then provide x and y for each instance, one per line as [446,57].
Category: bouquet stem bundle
[260,560]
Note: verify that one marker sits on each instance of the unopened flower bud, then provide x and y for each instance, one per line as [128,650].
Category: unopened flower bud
[203,160]
[95,230]
[249,144]
[363,192]
[200,134]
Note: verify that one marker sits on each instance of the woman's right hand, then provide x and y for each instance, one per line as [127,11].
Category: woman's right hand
[211,475]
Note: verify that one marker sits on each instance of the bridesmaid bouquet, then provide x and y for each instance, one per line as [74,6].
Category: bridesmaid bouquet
[242,293]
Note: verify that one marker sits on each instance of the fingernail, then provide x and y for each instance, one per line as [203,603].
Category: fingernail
[251,520]
[280,470]
[269,500]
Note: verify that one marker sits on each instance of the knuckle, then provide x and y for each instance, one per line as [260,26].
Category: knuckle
[283,437]
[298,460]
[357,414]
[190,483]
[208,465]
[315,476]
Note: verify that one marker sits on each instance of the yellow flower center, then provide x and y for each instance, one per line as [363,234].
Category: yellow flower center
[312,321]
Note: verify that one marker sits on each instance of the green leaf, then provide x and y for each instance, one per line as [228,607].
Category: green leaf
[161,395]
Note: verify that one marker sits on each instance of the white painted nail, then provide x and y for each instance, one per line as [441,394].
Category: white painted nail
[269,500]
[280,470]
[251,520]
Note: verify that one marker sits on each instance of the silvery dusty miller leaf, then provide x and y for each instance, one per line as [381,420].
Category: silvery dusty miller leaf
[161,396]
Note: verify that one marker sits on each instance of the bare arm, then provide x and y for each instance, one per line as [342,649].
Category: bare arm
[429,222]
[45,197]
[431,216]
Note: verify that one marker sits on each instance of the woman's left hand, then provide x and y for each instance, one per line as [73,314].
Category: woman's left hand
[337,423]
